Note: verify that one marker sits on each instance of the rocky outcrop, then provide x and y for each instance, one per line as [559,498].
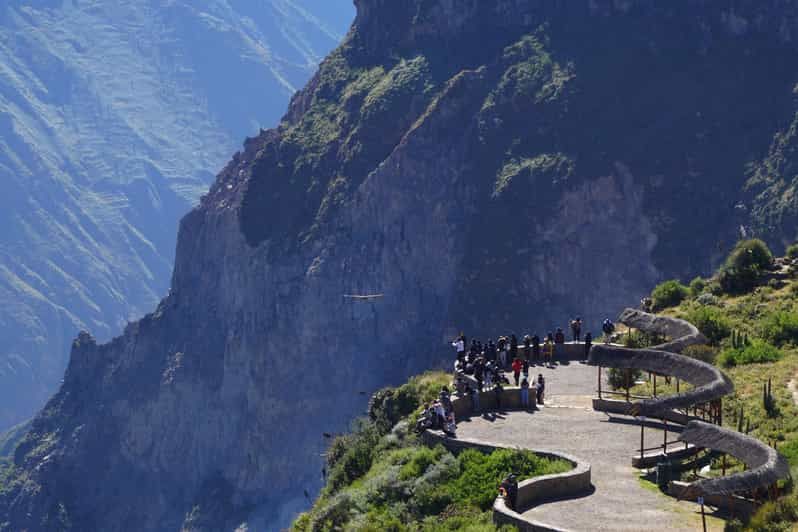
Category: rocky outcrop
[487,181]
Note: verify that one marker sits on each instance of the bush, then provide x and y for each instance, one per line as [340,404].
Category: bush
[708,299]
[755,353]
[697,286]
[792,251]
[780,328]
[711,322]
[775,515]
[668,294]
[623,378]
[744,266]
[481,474]
[704,353]
[351,456]
[750,254]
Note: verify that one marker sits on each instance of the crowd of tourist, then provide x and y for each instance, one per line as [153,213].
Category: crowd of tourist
[484,367]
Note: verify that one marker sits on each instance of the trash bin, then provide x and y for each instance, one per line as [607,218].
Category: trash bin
[663,473]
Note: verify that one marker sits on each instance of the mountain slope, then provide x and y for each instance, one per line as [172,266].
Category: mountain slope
[114,117]
[484,166]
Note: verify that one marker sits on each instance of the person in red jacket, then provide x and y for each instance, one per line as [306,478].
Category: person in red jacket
[517,365]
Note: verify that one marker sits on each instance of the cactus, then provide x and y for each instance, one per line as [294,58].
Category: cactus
[767,398]
[740,420]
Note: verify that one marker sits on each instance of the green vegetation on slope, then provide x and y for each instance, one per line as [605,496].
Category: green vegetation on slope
[381,477]
[752,326]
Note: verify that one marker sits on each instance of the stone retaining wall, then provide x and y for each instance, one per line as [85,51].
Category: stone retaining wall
[531,492]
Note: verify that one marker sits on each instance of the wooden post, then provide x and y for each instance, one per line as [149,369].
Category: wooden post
[724,464]
[642,427]
[677,384]
[655,385]
[703,516]
[627,378]
[599,382]
[665,438]
[720,411]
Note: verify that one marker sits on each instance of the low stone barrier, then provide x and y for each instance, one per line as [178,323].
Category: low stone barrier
[766,466]
[531,492]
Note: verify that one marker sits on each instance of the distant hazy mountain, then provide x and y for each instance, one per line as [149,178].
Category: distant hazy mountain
[114,118]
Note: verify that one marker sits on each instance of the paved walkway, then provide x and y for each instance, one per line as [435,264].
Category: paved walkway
[568,423]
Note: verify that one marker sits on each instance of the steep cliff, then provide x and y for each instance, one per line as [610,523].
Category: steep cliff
[486,166]
[114,117]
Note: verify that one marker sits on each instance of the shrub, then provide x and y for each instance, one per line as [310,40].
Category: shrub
[750,254]
[775,515]
[697,286]
[711,322]
[780,328]
[623,378]
[755,353]
[744,266]
[708,299]
[703,353]
[351,456]
[481,474]
[792,251]
[668,294]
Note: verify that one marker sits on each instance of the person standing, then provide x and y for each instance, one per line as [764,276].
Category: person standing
[608,328]
[541,389]
[527,347]
[473,393]
[548,352]
[459,347]
[525,393]
[536,347]
[501,345]
[576,328]
[588,343]
[517,366]
[559,336]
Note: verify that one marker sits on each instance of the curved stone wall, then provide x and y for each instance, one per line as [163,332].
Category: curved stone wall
[709,384]
[531,492]
[766,466]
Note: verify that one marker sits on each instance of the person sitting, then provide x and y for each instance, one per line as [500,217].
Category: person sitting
[449,426]
[445,399]
[497,391]
[440,414]
[426,419]
[559,336]
[525,393]
[517,366]
[508,490]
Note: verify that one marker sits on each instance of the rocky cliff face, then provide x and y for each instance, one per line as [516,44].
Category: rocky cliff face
[486,166]
[114,116]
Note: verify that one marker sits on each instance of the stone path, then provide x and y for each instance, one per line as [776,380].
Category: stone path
[568,423]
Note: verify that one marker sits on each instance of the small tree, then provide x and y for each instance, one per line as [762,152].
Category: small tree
[697,286]
[668,294]
[744,266]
